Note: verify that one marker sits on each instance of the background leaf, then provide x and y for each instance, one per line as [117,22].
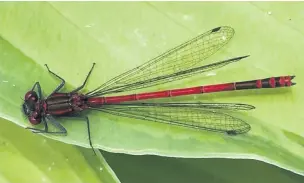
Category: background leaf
[27,157]
[150,169]
[69,36]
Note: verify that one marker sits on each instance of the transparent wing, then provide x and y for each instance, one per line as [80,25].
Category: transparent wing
[180,59]
[202,116]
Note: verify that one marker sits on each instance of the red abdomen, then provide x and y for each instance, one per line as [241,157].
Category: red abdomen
[272,82]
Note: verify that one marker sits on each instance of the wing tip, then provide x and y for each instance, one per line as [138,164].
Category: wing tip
[222,27]
[239,131]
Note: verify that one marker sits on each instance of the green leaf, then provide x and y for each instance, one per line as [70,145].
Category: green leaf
[70,36]
[27,157]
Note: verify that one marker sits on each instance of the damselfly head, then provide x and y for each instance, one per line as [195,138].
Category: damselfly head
[30,99]
[29,107]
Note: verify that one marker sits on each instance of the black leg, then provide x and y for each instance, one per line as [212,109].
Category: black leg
[60,85]
[35,130]
[38,88]
[62,130]
[85,81]
[88,126]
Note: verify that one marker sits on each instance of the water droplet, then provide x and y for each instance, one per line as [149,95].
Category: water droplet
[89,25]
[269,12]
[100,168]
[67,159]
[5,81]
[224,38]
[187,17]
[50,168]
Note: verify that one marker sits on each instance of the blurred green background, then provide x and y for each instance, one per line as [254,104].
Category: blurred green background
[152,169]
[118,36]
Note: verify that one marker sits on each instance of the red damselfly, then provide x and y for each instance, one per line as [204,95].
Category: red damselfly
[178,63]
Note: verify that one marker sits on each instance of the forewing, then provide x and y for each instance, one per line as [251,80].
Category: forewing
[176,60]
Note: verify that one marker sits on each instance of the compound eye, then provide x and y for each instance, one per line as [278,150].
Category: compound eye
[35,118]
[31,95]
